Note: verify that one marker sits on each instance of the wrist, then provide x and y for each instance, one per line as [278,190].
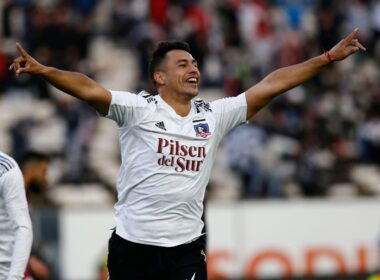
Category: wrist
[44,70]
[328,57]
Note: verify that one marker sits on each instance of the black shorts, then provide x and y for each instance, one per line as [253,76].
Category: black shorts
[132,261]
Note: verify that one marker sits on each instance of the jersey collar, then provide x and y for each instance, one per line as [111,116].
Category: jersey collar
[172,112]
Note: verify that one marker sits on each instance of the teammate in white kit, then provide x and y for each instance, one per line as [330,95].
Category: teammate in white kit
[15,225]
[168,143]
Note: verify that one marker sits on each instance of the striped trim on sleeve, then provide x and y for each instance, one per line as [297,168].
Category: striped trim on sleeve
[5,165]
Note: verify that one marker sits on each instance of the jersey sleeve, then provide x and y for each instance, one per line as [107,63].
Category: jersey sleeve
[127,109]
[13,189]
[17,208]
[230,112]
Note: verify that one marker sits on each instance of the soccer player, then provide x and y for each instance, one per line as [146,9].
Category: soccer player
[15,225]
[168,143]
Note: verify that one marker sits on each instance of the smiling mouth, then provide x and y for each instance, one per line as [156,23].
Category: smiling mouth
[192,81]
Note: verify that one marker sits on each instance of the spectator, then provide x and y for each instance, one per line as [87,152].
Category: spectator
[34,167]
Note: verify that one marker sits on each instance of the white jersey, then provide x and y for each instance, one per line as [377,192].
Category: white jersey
[166,164]
[15,225]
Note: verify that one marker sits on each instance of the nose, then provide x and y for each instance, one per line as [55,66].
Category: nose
[194,69]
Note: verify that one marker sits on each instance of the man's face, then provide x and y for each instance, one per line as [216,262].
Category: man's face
[179,73]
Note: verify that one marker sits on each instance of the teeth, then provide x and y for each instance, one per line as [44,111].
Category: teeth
[192,80]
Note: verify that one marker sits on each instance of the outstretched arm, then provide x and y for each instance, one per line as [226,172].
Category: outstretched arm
[286,78]
[73,83]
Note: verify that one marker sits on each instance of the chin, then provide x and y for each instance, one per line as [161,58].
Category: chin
[190,92]
[194,92]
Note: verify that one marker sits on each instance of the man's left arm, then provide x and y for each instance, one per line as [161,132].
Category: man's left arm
[289,77]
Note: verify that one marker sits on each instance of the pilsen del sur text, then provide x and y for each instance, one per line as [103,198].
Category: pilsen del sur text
[180,157]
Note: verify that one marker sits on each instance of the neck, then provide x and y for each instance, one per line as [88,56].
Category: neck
[180,104]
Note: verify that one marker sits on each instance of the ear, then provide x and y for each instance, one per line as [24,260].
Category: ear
[159,78]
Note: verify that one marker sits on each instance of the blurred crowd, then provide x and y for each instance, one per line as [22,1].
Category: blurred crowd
[319,139]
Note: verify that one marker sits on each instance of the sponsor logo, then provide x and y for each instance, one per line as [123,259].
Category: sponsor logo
[180,157]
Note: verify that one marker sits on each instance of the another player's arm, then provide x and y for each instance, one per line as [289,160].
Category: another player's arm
[73,83]
[286,78]
[17,209]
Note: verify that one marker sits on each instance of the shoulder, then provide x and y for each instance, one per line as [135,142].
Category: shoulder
[127,98]
[149,98]
[7,163]
[229,103]
[201,105]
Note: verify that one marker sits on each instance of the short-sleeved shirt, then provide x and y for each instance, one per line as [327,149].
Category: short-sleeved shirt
[166,164]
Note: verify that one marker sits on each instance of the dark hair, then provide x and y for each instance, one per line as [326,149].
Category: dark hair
[160,52]
[34,156]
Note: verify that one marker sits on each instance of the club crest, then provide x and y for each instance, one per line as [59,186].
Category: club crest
[202,130]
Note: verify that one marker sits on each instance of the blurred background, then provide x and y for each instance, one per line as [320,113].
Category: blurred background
[299,196]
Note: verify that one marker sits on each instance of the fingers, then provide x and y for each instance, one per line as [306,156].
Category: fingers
[356,43]
[351,40]
[354,50]
[21,50]
[353,34]
[17,65]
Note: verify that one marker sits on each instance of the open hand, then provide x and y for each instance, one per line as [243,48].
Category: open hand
[25,63]
[346,47]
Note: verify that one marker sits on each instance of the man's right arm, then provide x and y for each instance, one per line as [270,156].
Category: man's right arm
[73,83]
